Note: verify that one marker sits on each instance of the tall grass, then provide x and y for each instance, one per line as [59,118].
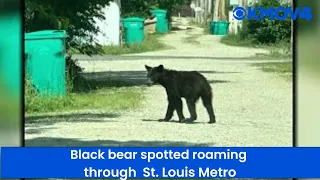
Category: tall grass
[109,99]
[150,43]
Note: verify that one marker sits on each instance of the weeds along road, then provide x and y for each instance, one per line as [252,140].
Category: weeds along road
[253,108]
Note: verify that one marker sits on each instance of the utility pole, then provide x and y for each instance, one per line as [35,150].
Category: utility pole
[216,10]
[210,8]
[202,6]
[245,4]
[223,10]
[205,13]
[197,11]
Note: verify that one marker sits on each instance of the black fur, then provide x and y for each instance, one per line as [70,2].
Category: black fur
[190,85]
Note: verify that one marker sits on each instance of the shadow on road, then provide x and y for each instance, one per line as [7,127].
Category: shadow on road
[54,142]
[79,116]
[105,79]
[172,121]
[40,123]
[218,81]
[165,57]
[180,29]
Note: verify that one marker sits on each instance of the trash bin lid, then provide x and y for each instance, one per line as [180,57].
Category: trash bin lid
[159,11]
[46,34]
[132,19]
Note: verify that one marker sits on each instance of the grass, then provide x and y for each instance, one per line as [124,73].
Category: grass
[107,95]
[192,39]
[283,69]
[201,25]
[280,50]
[102,98]
[235,40]
[150,43]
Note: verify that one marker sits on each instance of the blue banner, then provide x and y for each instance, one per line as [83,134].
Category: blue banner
[126,163]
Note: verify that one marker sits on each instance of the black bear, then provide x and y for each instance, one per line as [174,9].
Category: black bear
[190,85]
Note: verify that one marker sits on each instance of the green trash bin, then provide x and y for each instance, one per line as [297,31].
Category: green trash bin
[134,30]
[219,27]
[162,22]
[45,61]
[211,27]
[10,56]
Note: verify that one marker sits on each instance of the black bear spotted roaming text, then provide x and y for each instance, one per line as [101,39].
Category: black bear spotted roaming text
[190,85]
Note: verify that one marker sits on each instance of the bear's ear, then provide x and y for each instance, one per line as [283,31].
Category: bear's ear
[148,68]
[160,68]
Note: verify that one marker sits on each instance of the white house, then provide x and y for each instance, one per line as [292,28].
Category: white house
[110,27]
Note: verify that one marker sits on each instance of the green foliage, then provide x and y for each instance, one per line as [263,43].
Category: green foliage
[278,50]
[236,40]
[267,31]
[170,5]
[142,8]
[76,17]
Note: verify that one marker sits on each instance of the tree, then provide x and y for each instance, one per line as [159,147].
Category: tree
[77,18]
[267,31]
[142,7]
[216,16]
[220,10]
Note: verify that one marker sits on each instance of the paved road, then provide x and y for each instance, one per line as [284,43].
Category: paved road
[253,108]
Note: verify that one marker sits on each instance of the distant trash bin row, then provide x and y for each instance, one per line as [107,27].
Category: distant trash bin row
[134,26]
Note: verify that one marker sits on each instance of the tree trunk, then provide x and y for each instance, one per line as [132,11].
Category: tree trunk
[216,10]
[245,4]
[212,9]
[203,4]
[222,9]
[197,4]
[205,13]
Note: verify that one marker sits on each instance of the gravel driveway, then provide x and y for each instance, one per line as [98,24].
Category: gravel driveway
[252,108]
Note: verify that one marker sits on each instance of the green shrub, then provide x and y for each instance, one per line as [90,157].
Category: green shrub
[36,103]
[267,31]
[142,8]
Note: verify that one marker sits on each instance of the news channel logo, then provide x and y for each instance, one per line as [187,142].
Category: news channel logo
[279,13]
